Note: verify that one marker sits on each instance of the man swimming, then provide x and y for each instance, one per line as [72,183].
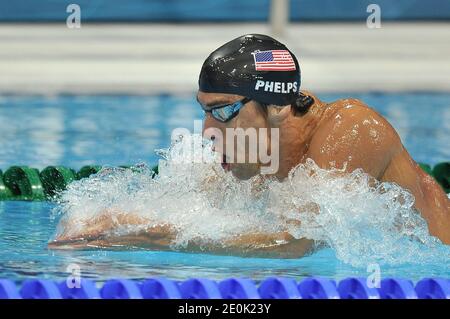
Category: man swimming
[253,82]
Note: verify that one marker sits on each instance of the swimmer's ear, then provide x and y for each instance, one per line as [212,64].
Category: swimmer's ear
[302,104]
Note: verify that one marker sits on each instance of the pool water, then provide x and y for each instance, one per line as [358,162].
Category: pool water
[116,130]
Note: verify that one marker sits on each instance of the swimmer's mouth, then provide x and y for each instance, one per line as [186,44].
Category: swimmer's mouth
[225,165]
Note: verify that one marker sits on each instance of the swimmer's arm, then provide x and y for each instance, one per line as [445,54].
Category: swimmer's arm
[276,245]
[430,198]
[97,234]
[105,231]
[358,137]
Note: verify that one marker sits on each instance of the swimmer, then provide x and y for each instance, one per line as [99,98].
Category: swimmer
[254,82]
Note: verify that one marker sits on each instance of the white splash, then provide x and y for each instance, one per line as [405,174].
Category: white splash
[363,220]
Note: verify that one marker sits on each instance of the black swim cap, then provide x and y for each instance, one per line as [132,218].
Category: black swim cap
[253,65]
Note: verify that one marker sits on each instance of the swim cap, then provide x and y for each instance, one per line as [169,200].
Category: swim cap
[253,65]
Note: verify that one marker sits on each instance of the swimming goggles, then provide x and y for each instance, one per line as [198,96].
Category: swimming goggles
[224,113]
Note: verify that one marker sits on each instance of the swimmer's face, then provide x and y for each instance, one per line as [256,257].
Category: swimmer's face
[250,119]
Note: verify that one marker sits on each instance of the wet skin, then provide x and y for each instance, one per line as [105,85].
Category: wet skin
[342,134]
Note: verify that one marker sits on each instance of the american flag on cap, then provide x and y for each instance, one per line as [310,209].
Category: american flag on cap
[274,60]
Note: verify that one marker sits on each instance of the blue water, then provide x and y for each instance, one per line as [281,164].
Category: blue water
[115,130]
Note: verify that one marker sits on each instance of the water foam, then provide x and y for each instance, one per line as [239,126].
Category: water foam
[363,220]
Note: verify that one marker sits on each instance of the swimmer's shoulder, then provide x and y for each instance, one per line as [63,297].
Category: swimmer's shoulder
[356,112]
[352,111]
[349,125]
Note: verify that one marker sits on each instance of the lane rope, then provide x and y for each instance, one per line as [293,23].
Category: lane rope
[29,184]
[230,288]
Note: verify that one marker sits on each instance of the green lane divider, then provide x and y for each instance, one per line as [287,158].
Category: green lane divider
[5,192]
[56,178]
[426,168]
[27,183]
[24,183]
[441,173]
[88,170]
[155,170]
